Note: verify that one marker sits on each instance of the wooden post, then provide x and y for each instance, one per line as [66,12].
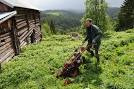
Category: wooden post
[15,37]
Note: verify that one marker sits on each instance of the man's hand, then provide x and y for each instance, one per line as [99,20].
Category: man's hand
[93,42]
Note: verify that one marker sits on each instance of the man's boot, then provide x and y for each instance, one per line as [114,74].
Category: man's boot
[98,59]
[97,56]
[92,53]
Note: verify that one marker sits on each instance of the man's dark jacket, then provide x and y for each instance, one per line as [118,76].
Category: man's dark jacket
[93,34]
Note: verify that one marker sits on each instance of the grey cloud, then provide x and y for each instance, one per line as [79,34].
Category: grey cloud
[67,4]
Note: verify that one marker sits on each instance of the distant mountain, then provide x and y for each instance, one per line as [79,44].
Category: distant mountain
[113,12]
[62,19]
[66,19]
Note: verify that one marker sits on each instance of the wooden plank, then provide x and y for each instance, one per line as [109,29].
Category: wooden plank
[23,44]
[6,52]
[31,20]
[20,23]
[25,36]
[25,27]
[19,20]
[6,34]
[10,57]
[6,41]
[22,31]
[32,23]
[4,38]
[5,46]
[21,26]
[5,55]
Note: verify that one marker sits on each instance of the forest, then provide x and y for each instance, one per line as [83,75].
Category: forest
[36,66]
[69,20]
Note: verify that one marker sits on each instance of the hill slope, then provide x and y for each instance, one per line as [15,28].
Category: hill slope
[35,67]
[62,19]
[113,12]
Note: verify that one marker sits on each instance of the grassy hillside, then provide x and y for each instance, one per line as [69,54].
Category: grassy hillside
[35,67]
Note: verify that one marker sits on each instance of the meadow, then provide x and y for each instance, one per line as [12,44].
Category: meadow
[35,67]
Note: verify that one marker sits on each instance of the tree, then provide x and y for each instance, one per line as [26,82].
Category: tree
[46,29]
[96,10]
[126,16]
[52,27]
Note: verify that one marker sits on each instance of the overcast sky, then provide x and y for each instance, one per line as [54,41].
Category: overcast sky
[67,4]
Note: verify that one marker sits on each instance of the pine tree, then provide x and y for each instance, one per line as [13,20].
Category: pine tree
[126,16]
[96,10]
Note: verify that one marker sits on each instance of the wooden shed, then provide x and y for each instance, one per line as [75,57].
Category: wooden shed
[19,26]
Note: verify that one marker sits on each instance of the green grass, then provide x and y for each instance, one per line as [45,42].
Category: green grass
[34,68]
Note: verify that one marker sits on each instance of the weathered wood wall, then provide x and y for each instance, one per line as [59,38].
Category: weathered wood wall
[24,28]
[6,41]
[28,26]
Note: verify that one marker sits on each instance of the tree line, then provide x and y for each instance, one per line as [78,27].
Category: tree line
[60,21]
[55,21]
[96,10]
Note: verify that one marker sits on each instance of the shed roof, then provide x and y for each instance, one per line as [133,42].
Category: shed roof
[18,3]
[5,16]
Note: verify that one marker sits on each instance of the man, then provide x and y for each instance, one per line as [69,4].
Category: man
[93,36]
